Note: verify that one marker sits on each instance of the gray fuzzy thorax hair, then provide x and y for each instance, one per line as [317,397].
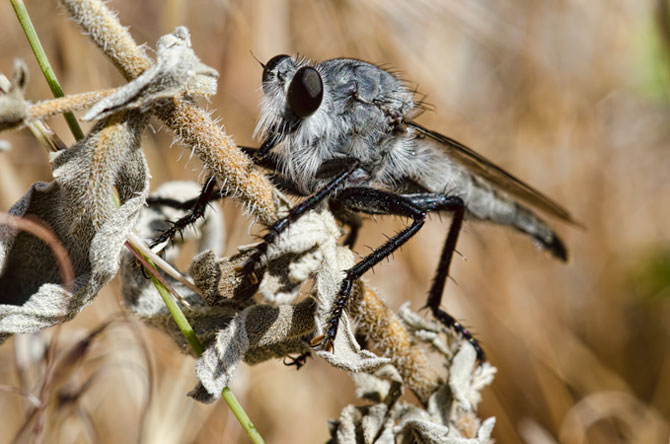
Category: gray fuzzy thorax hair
[360,117]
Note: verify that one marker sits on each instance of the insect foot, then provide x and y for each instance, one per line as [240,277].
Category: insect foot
[326,340]
[450,322]
[195,210]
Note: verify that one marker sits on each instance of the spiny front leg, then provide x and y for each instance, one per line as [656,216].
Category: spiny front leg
[346,166]
[371,201]
[326,340]
[195,207]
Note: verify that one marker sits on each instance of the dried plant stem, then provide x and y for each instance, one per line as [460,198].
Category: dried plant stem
[48,108]
[147,263]
[138,244]
[220,153]
[114,40]
[195,127]
[384,329]
[45,66]
[46,136]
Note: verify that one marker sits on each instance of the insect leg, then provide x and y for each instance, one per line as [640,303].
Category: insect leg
[351,220]
[266,146]
[439,202]
[196,209]
[295,212]
[347,218]
[298,361]
[371,201]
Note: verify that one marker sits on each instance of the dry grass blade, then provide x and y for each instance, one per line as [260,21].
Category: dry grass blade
[70,361]
[47,236]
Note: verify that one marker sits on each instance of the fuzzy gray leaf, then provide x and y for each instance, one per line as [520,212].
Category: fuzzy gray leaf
[79,208]
[258,333]
[177,71]
[348,355]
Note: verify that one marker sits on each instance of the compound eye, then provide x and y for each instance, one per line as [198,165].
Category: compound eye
[272,64]
[305,92]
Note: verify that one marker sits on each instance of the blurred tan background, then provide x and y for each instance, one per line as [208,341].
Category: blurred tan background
[571,96]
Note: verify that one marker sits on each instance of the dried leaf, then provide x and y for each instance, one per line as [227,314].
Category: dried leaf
[444,420]
[78,206]
[177,71]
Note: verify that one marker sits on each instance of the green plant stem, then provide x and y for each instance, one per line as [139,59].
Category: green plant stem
[241,416]
[170,303]
[178,315]
[43,61]
[197,346]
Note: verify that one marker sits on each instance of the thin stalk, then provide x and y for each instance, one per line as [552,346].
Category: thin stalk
[161,263]
[178,316]
[171,304]
[241,416]
[197,346]
[43,61]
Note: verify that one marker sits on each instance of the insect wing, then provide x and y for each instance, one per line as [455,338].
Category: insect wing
[491,173]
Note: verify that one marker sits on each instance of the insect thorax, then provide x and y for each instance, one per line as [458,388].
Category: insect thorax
[360,117]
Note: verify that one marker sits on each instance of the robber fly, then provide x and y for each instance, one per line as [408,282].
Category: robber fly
[341,132]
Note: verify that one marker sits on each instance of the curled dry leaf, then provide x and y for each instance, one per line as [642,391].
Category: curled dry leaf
[79,209]
[177,71]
